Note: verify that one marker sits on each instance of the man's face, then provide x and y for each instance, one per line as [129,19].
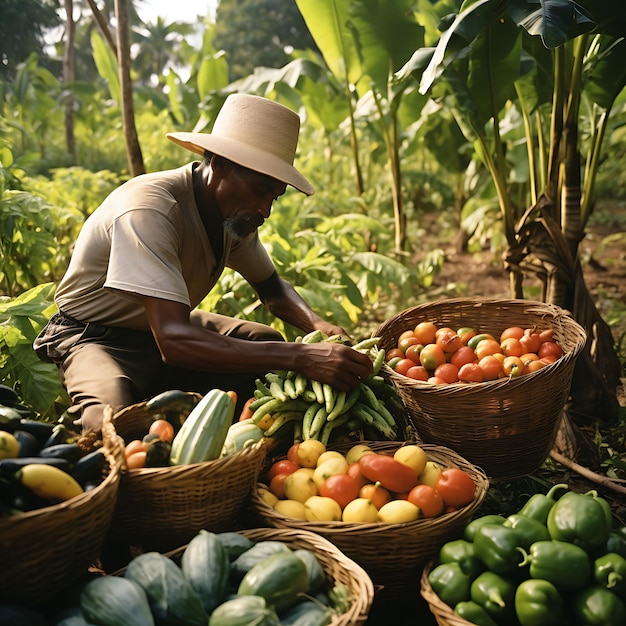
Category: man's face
[245,199]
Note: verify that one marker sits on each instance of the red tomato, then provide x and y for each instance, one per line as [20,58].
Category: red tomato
[277,485]
[163,429]
[417,372]
[292,453]
[413,352]
[448,340]
[550,348]
[391,474]
[136,460]
[403,365]
[462,356]
[354,470]
[471,373]
[455,486]
[407,342]
[447,371]
[341,488]
[283,466]
[427,499]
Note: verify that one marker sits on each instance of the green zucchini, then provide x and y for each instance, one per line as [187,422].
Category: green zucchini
[279,578]
[202,436]
[306,613]
[205,564]
[255,554]
[235,543]
[113,601]
[315,571]
[244,611]
[171,597]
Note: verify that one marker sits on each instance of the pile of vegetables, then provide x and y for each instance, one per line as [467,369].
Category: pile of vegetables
[42,464]
[220,579]
[559,560]
[363,486]
[287,404]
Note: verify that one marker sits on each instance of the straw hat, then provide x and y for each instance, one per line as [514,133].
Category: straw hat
[255,132]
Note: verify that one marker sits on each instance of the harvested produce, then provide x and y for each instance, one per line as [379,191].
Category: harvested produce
[442,355]
[288,404]
[360,486]
[551,563]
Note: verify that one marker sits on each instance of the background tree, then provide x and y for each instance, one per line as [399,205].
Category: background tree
[259,33]
[22,29]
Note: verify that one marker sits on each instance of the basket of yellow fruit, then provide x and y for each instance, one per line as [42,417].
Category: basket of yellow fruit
[386,505]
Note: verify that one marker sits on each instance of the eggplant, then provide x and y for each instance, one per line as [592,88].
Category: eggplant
[41,430]
[12,465]
[29,446]
[70,451]
[59,434]
[9,418]
[89,467]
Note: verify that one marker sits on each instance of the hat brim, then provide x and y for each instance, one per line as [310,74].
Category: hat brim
[252,158]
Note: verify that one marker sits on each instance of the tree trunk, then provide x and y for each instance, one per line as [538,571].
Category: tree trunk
[133,149]
[68,79]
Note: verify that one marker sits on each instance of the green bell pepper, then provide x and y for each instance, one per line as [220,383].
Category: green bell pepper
[496,595]
[497,546]
[462,552]
[470,529]
[538,603]
[474,613]
[565,565]
[450,583]
[609,571]
[616,541]
[538,505]
[529,529]
[596,606]
[583,519]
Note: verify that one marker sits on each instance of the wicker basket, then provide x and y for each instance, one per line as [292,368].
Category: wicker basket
[507,426]
[444,615]
[337,566]
[46,550]
[392,554]
[164,507]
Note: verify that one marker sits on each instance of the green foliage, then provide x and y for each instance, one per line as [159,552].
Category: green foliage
[37,383]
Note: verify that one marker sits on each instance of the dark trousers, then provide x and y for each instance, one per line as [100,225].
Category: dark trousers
[104,365]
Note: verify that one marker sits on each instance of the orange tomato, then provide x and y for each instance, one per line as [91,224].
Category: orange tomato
[531,341]
[342,488]
[462,356]
[466,333]
[406,342]
[413,352]
[403,365]
[393,353]
[448,371]
[136,460]
[404,334]
[476,339]
[513,366]
[246,413]
[375,493]
[163,429]
[136,445]
[533,366]
[487,346]
[512,331]
[417,372]
[546,335]
[277,485]
[471,373]
[282,466]
[548,358]
[427,499]
[435,380]
[456,487]
[550,348]
[490,366]
[448,340]
[431,356]
[425,332]
[512,347]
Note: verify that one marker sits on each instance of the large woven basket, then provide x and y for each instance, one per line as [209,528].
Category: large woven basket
[443,614]
[338,568]
[46,550]
[164,507]
[392,554]
[506,426]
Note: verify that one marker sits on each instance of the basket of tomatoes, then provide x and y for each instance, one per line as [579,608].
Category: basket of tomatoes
[162,504]
[389,506]
[487,378]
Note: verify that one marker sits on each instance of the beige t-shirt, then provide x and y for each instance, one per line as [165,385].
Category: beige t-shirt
[147,239]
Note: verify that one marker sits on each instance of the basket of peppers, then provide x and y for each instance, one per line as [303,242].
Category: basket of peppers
[560,560]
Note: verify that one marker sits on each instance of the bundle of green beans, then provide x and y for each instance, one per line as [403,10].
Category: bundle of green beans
[314,409]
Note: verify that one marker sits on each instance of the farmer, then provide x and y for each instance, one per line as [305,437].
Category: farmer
[127,325]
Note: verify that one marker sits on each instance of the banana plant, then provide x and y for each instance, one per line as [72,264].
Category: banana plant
[558,64]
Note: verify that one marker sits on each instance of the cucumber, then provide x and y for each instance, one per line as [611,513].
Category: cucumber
[279,578]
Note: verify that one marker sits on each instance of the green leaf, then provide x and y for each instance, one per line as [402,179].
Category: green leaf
[106,64]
